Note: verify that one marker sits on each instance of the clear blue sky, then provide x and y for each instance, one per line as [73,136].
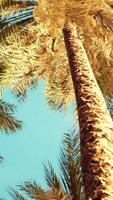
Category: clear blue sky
[38,141]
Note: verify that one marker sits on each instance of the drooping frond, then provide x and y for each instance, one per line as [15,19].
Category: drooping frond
[8,122]
[24,66]
[59,88]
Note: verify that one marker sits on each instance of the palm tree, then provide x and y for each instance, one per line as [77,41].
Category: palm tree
[94,26]
[68,187]
[96,126]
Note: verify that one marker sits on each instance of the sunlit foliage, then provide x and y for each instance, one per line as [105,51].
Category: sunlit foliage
[36,50]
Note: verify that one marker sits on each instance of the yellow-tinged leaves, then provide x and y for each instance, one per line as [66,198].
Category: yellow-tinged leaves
[51,14]
[36,51]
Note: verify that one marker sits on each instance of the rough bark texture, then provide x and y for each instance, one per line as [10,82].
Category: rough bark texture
[96,126]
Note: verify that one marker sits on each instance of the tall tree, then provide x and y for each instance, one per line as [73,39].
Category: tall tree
[94,25]
[96,125]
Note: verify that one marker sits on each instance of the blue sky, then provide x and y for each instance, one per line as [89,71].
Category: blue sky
[38,141]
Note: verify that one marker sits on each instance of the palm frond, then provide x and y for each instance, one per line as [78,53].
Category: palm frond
[50,176]
[106,18]
[71,178]
[59,88]
[21,67]
[70,167]
[15,194]
[8,122]
[54,183]
[20,16]
[31,189]
[36,192]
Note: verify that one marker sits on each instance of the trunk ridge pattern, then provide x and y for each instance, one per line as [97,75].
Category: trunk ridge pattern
[96,125]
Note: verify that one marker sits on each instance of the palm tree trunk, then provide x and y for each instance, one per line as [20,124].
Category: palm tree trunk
[96,126]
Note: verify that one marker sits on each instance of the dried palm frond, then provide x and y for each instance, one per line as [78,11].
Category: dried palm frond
[15,17]
[23,69]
